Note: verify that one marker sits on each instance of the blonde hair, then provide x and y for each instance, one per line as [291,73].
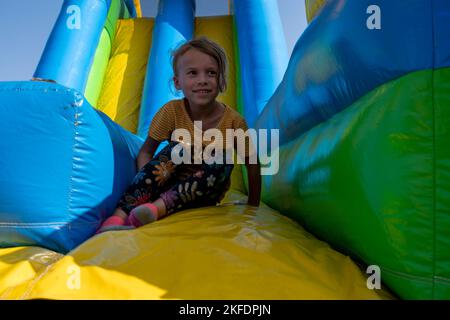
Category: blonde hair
[208,47]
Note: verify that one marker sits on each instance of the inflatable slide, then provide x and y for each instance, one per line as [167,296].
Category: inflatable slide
[358,208]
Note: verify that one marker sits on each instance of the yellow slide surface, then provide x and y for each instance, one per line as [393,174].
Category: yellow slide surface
[224,252]
[121,93]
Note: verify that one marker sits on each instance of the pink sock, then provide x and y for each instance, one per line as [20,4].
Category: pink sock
[143,214]
[111,223]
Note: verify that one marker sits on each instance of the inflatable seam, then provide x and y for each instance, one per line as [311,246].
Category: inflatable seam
[31,224]
[64,91]
[442,280]
[78,102]
[407,275]
[32,283]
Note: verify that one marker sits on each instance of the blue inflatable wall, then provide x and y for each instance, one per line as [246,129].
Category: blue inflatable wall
[67,165]
[338,59]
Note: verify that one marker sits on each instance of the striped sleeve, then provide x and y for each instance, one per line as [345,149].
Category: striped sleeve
[163,123]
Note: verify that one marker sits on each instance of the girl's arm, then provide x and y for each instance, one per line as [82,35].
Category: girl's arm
[254,182]
[147,151]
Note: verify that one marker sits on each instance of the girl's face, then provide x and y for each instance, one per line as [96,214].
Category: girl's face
[197,77]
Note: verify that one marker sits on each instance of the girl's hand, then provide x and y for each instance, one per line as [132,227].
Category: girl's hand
[146,152]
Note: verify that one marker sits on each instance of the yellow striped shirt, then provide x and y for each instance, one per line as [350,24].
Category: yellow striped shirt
[174,115]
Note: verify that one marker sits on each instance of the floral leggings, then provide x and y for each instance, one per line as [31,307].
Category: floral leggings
[180,186]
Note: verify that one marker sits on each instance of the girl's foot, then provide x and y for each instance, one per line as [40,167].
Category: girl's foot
[143,214]
[114,223]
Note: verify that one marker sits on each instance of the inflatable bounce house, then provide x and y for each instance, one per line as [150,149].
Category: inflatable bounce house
[362,192]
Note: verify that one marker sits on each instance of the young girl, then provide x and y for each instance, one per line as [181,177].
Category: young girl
[162,187]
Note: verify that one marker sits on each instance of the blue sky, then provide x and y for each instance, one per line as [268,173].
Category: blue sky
[26,24]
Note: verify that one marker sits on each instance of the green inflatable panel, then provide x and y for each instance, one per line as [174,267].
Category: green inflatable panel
[374,182]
